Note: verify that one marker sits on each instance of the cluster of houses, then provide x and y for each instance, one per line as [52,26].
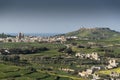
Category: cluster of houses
[22,38]
[93,56]
[112,63]
[113,75]
[92,71]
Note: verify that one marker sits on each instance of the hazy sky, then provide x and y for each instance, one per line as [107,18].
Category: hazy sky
[52,16]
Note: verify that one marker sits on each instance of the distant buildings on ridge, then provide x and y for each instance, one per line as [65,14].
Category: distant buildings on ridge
[22,38]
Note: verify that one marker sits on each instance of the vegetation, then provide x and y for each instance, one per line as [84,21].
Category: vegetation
[5,35]
[94,33]
[11,72]
[51,61]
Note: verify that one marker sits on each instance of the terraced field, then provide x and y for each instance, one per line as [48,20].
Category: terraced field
[47,64]
[10,72]
[29,45]
[107,72]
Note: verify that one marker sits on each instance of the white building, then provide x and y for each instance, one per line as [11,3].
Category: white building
[112,64]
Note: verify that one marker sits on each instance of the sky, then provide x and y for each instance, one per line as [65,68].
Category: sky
[57,16]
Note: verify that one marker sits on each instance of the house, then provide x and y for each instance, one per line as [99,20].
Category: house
[95,56]
[96,68]
[67,70]
[78,54]
[89,71]
[83,74]
[112,64]
[114,74]
[1,40]
[96,77]
[114,78]
[88,56]
[7,51]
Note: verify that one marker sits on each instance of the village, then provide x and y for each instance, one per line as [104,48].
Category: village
[23,38]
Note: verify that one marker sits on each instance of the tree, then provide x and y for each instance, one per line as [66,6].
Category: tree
[61,49]
[68,51]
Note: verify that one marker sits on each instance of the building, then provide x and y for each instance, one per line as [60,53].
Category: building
[114,74]
[112,64]
[20,36]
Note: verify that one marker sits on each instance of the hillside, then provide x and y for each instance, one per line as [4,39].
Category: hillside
[94,33]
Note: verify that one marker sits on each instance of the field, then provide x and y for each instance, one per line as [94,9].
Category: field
[10,72]
[29,45]
[45,65]
[106,72]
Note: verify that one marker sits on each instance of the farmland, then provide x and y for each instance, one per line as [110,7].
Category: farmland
[45,65]
[73,59]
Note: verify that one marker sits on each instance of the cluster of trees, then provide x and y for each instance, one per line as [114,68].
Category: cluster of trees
[66,50]
[13,58]
[5,35]
[23,51]
[112,55]
[109,52]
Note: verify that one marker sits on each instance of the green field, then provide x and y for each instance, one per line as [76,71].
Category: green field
[45,65]
[109,71]
[29,45]
[10,72]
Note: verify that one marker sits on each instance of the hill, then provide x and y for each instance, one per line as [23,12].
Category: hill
[94,33]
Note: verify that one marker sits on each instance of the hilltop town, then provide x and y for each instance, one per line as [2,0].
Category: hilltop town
[22,38]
